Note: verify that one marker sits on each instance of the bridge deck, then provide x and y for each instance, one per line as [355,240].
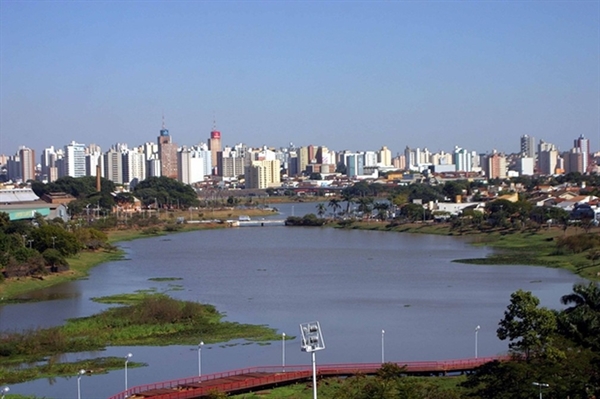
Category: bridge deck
[255,378]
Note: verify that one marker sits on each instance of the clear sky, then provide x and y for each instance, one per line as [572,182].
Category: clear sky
[350,75]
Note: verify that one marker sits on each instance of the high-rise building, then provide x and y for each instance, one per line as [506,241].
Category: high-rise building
[214,145]
[355,164]
[47,160]
[583,146]
[303,159]
[27,156]
[574,161]
[113,166]
[263,174]
[74,159]
[463,160]
[193,164]
[384,157]
[495,166]
[528,148]
[134,165]
[167,154]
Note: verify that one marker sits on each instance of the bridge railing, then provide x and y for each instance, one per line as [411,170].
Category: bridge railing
[191,387]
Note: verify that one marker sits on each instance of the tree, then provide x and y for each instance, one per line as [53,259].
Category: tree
[581,321]
[347,196]
[321,209]
[413,212]
[527,326]
[364,205]
[335,206]
[382,210]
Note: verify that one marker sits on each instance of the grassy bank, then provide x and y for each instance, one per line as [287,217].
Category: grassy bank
[534,248]
[143,319]
[79,265]
[330,388]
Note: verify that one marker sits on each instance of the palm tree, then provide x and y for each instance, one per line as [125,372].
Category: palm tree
[349,198]
[321,209]
[582,318]
[364,205]
[334,204]
[382,209]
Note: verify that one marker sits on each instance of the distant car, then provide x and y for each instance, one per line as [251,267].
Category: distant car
[244,218]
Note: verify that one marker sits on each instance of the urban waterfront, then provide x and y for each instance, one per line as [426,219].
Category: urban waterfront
[356,283]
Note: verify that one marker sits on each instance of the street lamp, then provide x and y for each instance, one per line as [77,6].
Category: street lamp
[283,352]
[29,241]
[540,385]
[81,372]
[4,391]
[476,331]
[200,345]
[312,341]
[127,361]
[382,346]
[53,242]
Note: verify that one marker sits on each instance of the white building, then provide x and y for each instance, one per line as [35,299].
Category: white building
[74,159]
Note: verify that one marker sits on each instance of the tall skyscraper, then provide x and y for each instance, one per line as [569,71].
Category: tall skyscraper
[582,145]
[113,166]
[528,148]
[167,153]
[74,159]
[27,156]
[214,145]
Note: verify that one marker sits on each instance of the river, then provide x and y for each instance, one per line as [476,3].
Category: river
[355,283]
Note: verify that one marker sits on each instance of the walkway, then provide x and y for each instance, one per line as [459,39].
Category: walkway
[257,378]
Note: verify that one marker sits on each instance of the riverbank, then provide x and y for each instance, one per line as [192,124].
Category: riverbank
[12,290]
[532,248]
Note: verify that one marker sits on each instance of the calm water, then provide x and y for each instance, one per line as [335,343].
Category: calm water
[355,283]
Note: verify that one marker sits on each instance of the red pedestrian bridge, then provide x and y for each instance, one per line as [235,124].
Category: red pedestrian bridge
[257,378]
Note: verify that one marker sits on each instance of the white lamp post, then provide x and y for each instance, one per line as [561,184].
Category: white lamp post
[127,361]
[382,346]
[476,331]
[541,385]
[312,341]
[4,391]
[283,352]
[81,372]
[200,345]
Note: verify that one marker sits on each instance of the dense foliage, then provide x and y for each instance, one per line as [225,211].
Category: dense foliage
[40,247]
[166,192]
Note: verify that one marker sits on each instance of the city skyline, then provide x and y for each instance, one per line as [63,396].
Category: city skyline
[351,76]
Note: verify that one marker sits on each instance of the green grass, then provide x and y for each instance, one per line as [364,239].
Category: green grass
[164,278]
[331,388]
[143,319]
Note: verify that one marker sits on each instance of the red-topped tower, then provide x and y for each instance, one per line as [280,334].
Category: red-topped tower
[214,145]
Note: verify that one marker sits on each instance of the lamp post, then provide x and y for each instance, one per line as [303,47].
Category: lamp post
[283,352]
[81,372]
[53,242]
[127,361]
[540,385]
[312,341]
[4,391]
[382,346]
[29,241]
[476,331]
[200,345]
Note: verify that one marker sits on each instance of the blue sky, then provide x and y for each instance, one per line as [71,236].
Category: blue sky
[353,75]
